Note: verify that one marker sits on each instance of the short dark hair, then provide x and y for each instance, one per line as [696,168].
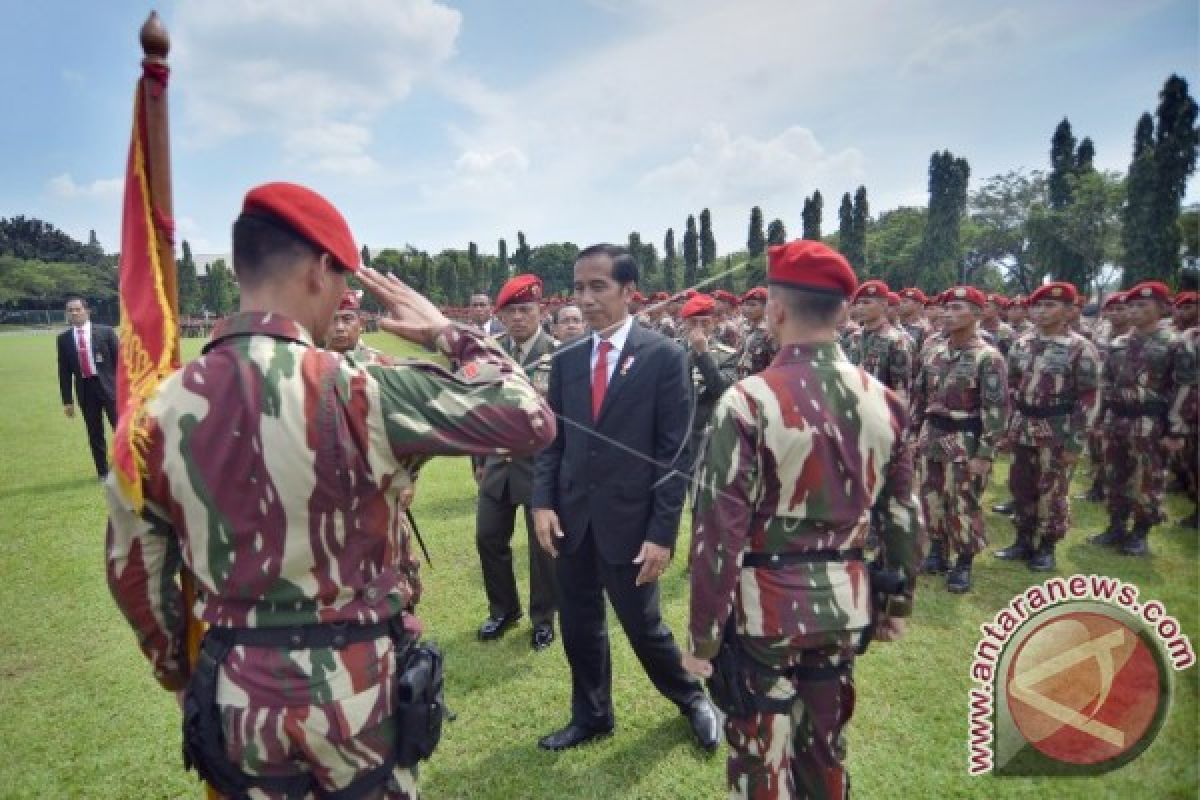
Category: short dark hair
[71,298]
[624,269]
[266,247]
[554,315]
[821,308]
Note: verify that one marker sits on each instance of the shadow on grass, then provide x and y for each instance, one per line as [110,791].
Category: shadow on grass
[42,489]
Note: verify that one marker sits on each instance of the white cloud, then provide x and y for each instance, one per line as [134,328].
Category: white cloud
[301,68]
[64,186]
[958,45]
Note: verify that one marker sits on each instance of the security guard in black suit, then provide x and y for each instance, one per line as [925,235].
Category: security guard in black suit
[506,483]
[87,360]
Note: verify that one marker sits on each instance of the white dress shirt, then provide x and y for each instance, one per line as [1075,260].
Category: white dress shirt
[87,338]
[617,339]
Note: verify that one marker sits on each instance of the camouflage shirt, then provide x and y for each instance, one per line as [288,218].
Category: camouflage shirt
[1049,371]
[1185,410]
[712,373]
[667,327]
[1002,335]
[271,470]
[962,385]
[919,330]
[1146,371]
[797,457]
[729,333]
[758,349]
[884,354]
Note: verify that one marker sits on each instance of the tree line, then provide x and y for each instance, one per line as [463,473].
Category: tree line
[1069,221]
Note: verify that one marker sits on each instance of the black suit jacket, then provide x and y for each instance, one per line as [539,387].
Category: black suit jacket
[505,471]
[104,354]
[621,475]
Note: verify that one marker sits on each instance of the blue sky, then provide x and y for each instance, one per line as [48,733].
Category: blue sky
[439,123]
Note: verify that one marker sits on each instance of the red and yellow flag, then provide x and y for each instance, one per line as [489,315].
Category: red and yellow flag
[149,306]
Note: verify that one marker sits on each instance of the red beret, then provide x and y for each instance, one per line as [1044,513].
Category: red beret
[1061,291]
[1020,300]
[758,293]
[698,305]
[914,294]
[310,215]
[1184,298]
[871,289]
[1114,299]
[811,265]
[659,297]
[893,299]
[967,294]
[350,300]
[690,293]
[519,289]
[725,296]
[1150,289]
[999,300]
[637,298]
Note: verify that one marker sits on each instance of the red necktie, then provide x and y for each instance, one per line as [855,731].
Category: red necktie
[600,377]
[85,363]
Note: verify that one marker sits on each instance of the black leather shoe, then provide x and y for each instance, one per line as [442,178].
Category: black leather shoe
[703,719]
[1135,542]
[494,627]
[543,636]
[571,736]
[1003,508]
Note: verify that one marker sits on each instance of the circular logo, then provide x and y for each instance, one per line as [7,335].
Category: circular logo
[1086,688]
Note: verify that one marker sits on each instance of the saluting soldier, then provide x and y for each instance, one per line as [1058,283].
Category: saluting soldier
[758,347]
[271,470]
[506,484]
[713,364]
[960,408]
[1054,377]
[728,331]
[1145,370]
[798,455]
[880,349]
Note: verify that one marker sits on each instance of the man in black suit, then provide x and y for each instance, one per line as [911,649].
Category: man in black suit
[506,482]
[87,353]
[608,494]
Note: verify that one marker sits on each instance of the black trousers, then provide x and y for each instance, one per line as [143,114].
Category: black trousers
[494,524]
[585,578]
[94,401]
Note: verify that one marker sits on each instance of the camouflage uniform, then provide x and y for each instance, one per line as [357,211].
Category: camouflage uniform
[1002,336]
[1185,417]
[712,373]
[667,327]
[960,408]
[271,471]
[729,333]
[1141,378]
[919,329]
[798,455]
[1055,389]
[884,354]
[758,349]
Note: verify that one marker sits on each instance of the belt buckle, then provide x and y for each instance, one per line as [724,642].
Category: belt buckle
[340,635]
[297,637]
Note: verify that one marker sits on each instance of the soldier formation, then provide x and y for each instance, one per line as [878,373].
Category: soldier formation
[828,418]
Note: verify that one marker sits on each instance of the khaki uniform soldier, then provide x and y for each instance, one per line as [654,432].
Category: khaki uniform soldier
[758,347]
[506,484]
[713,365]
[881,350]
[272,470]
[1145,371]
[1054,377]
[799,453]
[960,408]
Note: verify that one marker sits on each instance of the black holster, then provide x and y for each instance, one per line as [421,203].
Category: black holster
[732,683]
[884,583]
[420,702]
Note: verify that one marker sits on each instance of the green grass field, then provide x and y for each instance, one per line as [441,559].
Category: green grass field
[81,717]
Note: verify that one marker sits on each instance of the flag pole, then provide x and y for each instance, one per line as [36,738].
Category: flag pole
[155,46]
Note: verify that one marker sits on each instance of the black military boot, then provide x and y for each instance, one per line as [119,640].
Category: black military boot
[1135,542]
[1043,558]
[959,579]
[1020,550]
[1113,536]
[1096,493]
[935,562]
[1004,508]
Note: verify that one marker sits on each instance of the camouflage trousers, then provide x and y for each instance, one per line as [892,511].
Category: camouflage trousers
[801,753]
[1135,477]
[1186,464]
[1040,481]
[950,499]
[1095,451]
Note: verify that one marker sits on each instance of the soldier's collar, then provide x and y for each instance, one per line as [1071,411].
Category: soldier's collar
[811,351]
[259,323]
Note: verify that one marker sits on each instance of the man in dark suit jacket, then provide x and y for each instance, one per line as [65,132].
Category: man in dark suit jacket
[608,494]
[506,482]
[87,356]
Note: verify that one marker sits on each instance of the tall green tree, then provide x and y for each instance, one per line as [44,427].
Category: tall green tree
[190,301]
[220,290]
[811,216]
[479,277]
[854,248]
[756,239]
[776,232]
[521,254]
[897,235]
[1175,143]
[554,263]
[940,254]
[1085,155]
[691,253]
[1139,242]
[365,255]
[1062,165]
[997,231]
[500,267]
[845,222]
[670,263]
[708,245]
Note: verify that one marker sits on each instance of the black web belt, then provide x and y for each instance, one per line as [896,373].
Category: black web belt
[967,424]
[1151,409]
[302,637]
[1044,412]
[780,560]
